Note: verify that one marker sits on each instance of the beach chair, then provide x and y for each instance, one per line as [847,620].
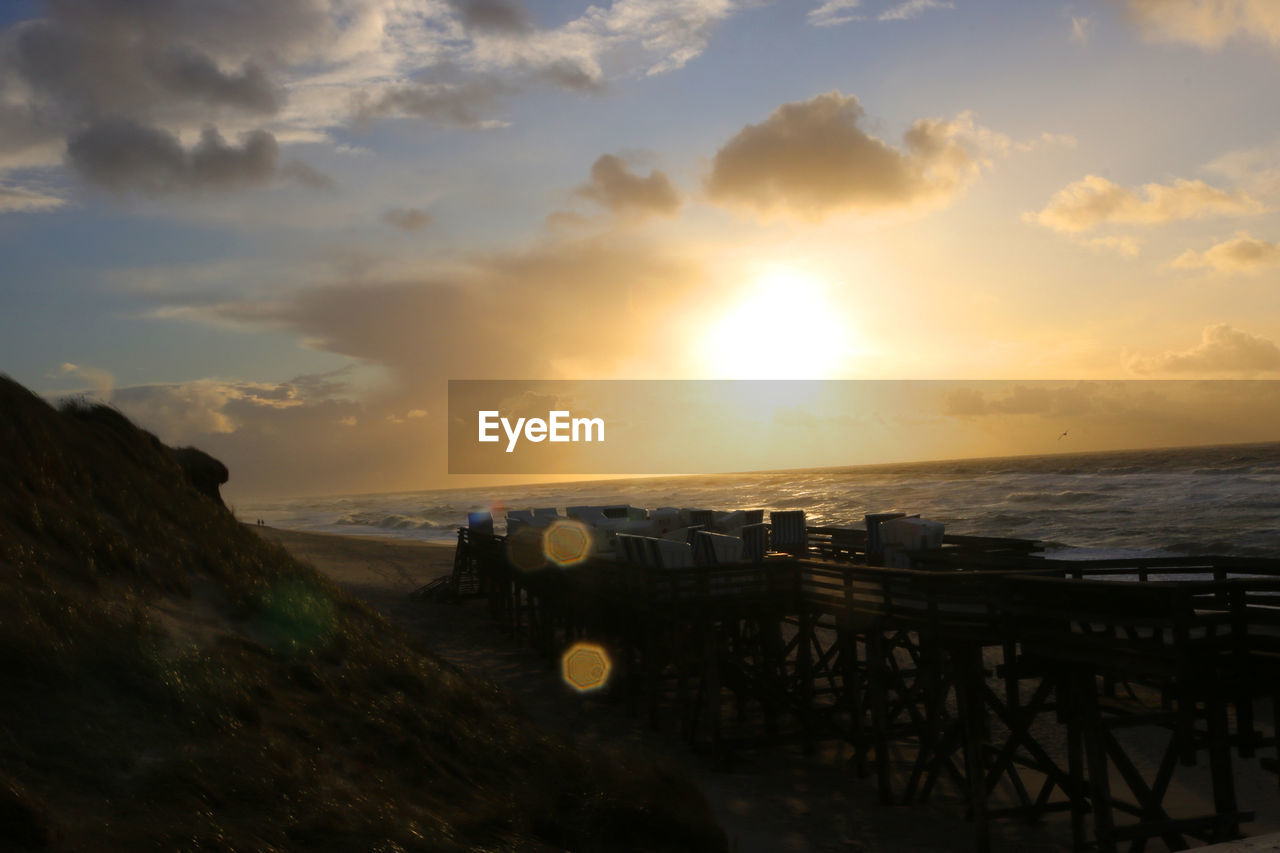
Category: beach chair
[691,531]
[480,522]
[755,541]
[753,516]
[873,521]
[629,548]
[517,518]
[716,549]
[665,553]
[730,523]
[593,515]
[546,515]
[703,518]
[788,533]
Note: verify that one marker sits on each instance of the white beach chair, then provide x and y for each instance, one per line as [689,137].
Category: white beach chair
[665,553]
[716,549]
[729,523]
[629,548]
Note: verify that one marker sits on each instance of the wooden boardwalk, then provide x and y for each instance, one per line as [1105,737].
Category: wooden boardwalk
[977,663]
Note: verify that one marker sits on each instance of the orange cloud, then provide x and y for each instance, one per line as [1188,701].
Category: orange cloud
[1222,350]
[1207,23]
[1241,254]
[1094,201]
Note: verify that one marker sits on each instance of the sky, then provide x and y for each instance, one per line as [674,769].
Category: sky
[276,231]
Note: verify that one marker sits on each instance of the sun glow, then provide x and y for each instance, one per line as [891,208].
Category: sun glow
[786,326]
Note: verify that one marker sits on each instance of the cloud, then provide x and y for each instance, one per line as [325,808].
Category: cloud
[814,158]
[1094,201]
[87,67]
[495,15]
[306,174]
[547,301]
[123,155]
[101,382]
[176,66]
[1207,24]
[542,310]
[407,218]
[1222,350]
[1081,28]
[833,13]
[18,199]
[1125,246]
[615,188]
[1256,170]
[1041,399]
[1242,254]
[185,411]
[673,33]
[913,9]
[466,104]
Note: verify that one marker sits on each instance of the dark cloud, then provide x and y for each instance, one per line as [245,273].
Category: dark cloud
[222,27]
[195,76]
[614,187]
[496,15]
[306,174]
[407,218]
[125,155]
[814,158]
[165,64]
[567,74]
[88,72]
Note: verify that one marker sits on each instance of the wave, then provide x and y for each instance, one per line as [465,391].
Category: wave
[1210,500]
[393,522]
[1063,497]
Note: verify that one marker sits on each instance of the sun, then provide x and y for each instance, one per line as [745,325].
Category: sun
[786,326]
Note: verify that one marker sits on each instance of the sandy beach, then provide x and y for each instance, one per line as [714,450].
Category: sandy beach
[770,800]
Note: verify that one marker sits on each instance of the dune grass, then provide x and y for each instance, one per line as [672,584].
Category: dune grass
[172,681]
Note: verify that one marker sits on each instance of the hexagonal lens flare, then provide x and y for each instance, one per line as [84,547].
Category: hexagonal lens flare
[586,667]
[567,542]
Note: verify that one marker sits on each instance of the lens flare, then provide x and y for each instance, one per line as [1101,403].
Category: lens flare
[586,667]
[567,542]
[525,550]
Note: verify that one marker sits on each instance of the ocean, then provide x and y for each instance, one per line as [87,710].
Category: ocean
[1203,500]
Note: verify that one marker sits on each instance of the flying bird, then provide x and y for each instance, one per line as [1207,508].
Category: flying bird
[1064,434]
